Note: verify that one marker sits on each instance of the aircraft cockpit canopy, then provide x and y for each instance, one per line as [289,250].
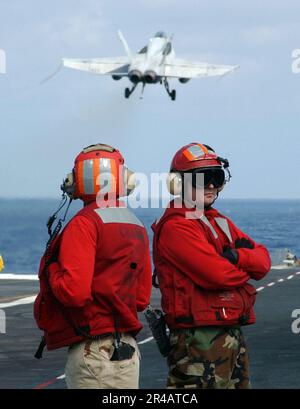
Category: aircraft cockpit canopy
[160,34]
[143,50]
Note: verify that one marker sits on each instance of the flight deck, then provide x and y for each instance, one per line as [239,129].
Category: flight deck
[274,345]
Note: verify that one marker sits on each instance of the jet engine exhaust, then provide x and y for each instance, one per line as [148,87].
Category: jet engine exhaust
[150,77]
[135,76]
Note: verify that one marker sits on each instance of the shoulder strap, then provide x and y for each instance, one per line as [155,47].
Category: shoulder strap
[224,226]
[118,215]
[205,220]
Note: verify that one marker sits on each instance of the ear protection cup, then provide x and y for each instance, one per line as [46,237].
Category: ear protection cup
[68,186]
[174,183]
[129,181]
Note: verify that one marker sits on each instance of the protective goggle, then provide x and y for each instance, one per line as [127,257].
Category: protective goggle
[211,176]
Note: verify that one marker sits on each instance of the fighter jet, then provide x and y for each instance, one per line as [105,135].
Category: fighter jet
[154,63]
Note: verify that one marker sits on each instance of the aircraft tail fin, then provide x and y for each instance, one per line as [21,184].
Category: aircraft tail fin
[125,44]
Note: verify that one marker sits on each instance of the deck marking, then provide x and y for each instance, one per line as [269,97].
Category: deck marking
[21,301]
[29,300]
[280,280]
[61,377]
[32,277]
[48,383]
[14,298]
[145,341]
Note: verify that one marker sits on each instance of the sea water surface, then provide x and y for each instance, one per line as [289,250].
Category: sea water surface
[23,232]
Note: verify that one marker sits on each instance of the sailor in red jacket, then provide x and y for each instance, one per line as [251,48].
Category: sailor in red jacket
[100,278]
[203,264]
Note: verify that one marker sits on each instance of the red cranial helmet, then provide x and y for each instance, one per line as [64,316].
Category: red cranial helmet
[197,157]
[194,156]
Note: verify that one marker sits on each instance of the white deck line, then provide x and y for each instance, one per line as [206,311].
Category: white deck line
[19,277]
[21,301]
[34,277]
[30,300]
[145,341]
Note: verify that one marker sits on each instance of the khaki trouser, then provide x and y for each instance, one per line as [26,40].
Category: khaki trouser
[89,366]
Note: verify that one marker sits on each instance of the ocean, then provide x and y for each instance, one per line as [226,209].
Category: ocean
[23,232]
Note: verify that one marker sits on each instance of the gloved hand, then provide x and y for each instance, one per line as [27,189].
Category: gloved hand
[243,243]
[231,255]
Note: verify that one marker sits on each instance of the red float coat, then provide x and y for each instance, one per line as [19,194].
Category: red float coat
[102,277]
[199,286]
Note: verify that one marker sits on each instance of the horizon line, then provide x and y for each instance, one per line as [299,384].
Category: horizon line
[148,199]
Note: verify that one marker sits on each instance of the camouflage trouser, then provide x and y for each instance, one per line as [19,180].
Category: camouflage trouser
[208,358]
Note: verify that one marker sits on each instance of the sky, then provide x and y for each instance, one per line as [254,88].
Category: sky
[250,117]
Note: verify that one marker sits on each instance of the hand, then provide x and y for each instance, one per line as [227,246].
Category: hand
[243,244]
[231,255]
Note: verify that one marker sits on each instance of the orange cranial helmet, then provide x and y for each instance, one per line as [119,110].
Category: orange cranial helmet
[98,170]
[194,156]
[197,158]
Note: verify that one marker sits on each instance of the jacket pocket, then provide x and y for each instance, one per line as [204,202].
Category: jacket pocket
[225,307]
[39,311]
[47,314]
[248,294]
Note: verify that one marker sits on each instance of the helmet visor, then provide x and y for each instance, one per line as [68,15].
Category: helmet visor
[212,176]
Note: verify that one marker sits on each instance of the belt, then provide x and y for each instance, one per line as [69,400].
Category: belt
[102,336]
[110,334]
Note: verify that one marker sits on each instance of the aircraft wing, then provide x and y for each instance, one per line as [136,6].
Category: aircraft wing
[101,66]
[179,68]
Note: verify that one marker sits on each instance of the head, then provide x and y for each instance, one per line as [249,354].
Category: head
[99,173]
[197,174]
